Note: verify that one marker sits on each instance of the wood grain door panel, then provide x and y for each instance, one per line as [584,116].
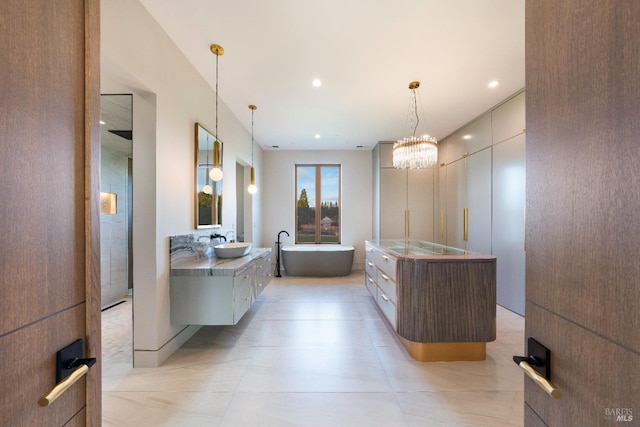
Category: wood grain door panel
[49,206]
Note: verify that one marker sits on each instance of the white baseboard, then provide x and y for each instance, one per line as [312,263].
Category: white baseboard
[155,358]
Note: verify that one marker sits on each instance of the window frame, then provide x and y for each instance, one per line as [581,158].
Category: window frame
[318,208]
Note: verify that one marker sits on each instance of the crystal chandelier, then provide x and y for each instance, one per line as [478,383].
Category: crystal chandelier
[415,152]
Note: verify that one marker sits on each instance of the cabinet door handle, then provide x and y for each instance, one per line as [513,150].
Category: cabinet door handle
[370,264]
[407,221]
[442,223]
[465,217]
[384,257]
[385,277]
[370,279]
[384,297]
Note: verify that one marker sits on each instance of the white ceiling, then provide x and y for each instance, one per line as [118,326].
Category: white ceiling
[365,52]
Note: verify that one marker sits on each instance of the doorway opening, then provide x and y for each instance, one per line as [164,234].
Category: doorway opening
[116,243]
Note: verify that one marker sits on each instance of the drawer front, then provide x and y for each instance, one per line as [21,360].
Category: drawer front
[263,274]
[242,295]
[371,285]
[387,307]
[386,263]
[370,267]
[387,285]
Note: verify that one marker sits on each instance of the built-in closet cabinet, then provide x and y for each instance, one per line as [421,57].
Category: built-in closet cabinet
[465,188]
[509,202]
[397,191]
[482,170]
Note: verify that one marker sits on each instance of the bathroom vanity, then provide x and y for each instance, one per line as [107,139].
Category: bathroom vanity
[440,301]
[206,290]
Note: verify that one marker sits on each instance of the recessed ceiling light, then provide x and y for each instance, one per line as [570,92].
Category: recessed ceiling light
[493,83]
[316,136]
[466,137]
[316,82]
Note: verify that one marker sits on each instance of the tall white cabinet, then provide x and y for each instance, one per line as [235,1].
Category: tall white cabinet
[509,202]
[481,194]
[397,191]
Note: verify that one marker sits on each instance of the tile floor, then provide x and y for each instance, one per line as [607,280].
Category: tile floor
[310,352]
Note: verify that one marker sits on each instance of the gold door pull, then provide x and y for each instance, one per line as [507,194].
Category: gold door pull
[544,383]
[67,382]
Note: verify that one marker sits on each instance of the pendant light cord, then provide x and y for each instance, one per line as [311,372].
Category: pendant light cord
[415,109]
[217,55]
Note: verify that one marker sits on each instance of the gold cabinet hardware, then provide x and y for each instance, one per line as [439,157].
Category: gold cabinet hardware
[384,257]
[465,219]
[384,297]
[465,154]
[549,388]
[407,231]
[63,385]
[370,279]
[442,223]
[385,277]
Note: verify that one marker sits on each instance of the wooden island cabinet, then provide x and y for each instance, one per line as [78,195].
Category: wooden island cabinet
[440,301]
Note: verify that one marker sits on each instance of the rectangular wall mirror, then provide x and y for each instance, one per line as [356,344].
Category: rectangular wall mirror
[208,158]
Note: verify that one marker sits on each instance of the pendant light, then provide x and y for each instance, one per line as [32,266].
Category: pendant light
[415,152]
[216,172]
[252,189]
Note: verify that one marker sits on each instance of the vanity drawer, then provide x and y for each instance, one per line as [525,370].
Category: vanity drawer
[263,274]
[370,267]
[387,306]
[371,285]
[386,263]
[387,285]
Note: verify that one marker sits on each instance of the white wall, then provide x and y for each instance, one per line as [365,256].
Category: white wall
[169,97]
[279,198]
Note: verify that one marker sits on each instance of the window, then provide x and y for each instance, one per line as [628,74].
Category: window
[317,222]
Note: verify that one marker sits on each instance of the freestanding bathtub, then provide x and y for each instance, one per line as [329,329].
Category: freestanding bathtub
[317,260]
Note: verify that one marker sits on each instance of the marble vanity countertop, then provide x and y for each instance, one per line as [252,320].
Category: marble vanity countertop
[211,266]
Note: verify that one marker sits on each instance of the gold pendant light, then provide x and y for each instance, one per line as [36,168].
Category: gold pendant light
[252,189]
[415,152]
[216,172]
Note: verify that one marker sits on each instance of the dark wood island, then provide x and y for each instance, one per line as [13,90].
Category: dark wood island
[440,301]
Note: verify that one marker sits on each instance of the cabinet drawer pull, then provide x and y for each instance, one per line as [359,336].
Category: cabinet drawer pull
[370,279]
[384,297]
[268,274]
[259,265]
[370,264]
[385,277]
[384,257]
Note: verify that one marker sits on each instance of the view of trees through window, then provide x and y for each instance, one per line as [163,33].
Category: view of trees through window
[317,186]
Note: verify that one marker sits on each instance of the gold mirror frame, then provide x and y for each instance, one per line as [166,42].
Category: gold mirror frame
[208,207]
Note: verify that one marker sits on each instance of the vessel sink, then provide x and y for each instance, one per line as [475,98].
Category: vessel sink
[232,250]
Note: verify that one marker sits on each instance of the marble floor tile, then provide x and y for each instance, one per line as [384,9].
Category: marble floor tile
[309,352]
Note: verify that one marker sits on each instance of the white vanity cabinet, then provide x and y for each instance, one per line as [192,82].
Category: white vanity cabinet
[217,292]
